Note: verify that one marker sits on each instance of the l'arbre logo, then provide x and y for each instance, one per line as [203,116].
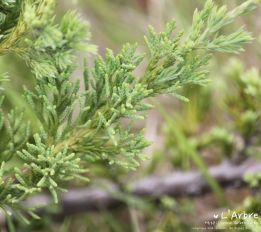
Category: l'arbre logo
[235,215]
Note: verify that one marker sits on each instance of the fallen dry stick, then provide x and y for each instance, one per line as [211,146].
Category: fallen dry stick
[176,184]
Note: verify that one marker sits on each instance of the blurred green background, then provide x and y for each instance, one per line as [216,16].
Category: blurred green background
[207,126]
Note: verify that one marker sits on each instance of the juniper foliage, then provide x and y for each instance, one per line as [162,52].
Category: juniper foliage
[58,151]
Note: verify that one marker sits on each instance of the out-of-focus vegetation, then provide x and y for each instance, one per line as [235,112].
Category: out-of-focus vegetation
[218,123]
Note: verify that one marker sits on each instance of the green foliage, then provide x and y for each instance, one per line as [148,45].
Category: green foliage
[48,50]
[236,138]
[57,152]
[246,114]
[15,135]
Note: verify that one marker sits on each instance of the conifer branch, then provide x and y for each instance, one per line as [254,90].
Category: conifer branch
[54,154]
